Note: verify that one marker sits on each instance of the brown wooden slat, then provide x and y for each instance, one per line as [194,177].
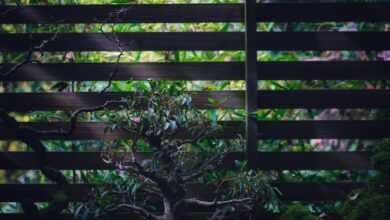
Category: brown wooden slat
[127,13]
[364,129]
[329,129]
[83,160]
[307,70]
[129,41]
[291,191]
[226,99]
[96,130]
[319,12]
[123,216]
[323,40]
[13,216]
[325,99]
[41,192]
[199,41]
[127,216]
[126,71]
[313,70]
[69,101]
[307,12]
[263,160]
[312,160]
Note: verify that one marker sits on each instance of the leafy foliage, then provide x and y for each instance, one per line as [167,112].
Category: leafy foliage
[374,202]
[163,119]
[368,207]
[297,212]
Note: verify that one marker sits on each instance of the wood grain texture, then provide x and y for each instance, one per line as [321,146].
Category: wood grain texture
[343,129]
[302,191]
[267,99]
[157,41]
[263,160]
[286,70]
[175,13]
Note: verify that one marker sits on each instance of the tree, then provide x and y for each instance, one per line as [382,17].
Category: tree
[162,120]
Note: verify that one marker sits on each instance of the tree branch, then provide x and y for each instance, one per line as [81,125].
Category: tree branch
[195,201]
[206,166]
[31,139]
[29,57]
[74,119]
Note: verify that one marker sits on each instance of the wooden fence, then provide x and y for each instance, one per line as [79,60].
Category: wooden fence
[251,70]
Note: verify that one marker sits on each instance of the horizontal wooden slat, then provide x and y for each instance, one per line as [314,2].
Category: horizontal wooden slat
[312,160]
[264,160]
[198,41]
[307,12]
[69,101]
[126,71]
[319,12]
[126,216]
[122,13]
[324,129]
[84,160]
[96,130]
[307,70]
[325,99]
[131,216]
[226,99]
[320,70]
[111,216]
[365,129]
[323,40]
[129,41]
[290,191]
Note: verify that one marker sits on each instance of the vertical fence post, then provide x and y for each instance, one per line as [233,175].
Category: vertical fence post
[251,81]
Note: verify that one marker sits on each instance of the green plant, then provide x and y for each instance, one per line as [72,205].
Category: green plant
[379,183]
[297,212]
[162,121]
[368,206]
[373,203]
[381,162]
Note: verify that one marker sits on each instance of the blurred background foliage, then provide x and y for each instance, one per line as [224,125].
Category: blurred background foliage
[194,56]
